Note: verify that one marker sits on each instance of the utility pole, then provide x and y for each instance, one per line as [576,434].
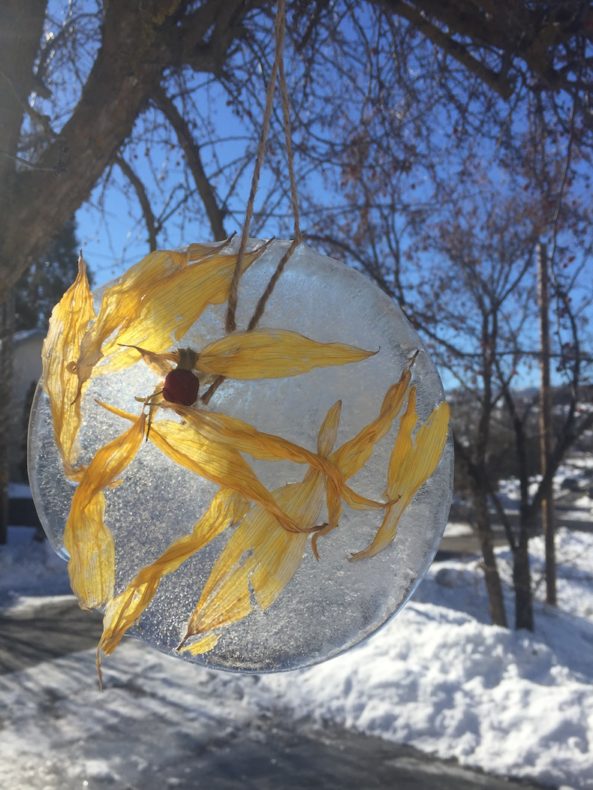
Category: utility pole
[545,424]
[6,333]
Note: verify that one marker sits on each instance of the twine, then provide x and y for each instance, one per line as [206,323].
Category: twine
[231,324]
[277,73]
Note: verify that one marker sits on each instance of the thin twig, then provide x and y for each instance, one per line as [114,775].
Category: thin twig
[231,324]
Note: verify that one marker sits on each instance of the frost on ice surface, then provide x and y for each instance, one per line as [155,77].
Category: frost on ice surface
[329,604]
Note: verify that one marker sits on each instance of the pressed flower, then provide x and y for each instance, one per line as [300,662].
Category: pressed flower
[143,316]
[154,303]
[272,353]
[260,557]
[87,539]
[414,459]
[214,461]
[67,326]
[259,561]
[226,508]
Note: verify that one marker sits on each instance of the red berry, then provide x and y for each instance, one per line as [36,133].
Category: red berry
[181,386]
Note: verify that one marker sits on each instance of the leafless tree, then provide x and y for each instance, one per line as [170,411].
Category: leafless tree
[162,101]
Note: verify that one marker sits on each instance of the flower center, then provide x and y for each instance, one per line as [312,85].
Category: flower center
[181,386]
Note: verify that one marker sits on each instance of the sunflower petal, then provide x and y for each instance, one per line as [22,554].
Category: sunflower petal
[353,454]
[86,538]
[204,645]
[67,326]
[264,446]
[413,460]
[403,449]
[258,561]
[328,432]
[273,353]
[121,303]
[171,305]
[125,610]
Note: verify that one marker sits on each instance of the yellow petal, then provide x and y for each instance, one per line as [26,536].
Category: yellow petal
[170,306]
[67,326]
[414,460]
[429,443]
[353,454]
[204,645]
[328,431]
[215,461]
[264,446]
[126,608]
[273,353]
[402,452]
[258,561]
[386,532]
[86,538]
[121,304]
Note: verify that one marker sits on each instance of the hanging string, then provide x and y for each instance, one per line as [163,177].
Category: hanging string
[231,324]
[276,73]
[261,305]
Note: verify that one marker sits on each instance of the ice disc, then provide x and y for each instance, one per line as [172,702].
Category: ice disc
[330,603]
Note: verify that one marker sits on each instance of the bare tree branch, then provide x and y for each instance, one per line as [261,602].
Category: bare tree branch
[193,157]
[143,199]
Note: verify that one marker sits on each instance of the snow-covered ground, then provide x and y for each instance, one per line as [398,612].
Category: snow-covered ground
[438,677]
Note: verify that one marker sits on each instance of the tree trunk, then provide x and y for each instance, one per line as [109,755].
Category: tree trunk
[545,427]
[491,575]
[522,579]
[6,333]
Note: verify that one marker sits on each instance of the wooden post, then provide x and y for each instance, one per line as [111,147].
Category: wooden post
[6,333]
[545,425]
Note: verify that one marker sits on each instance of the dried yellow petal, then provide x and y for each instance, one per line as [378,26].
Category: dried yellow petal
[86,538]
[259,559]
[413,461]
[402,452]
[215,461]
[353,454]
[67,326]
[264,446]
[121,303]
[171,305]
[125,609]
[273,353]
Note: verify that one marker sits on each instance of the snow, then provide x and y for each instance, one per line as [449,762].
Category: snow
[457,530]
[19,491]
[438,677]
[30,567]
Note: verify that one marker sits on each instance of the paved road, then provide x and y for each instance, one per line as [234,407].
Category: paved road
[267,754]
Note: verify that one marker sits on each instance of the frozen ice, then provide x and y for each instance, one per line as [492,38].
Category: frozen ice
[329,605]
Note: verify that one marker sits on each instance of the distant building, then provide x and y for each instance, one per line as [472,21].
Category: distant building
[26,373]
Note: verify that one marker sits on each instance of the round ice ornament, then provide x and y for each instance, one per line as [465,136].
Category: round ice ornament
[257,501]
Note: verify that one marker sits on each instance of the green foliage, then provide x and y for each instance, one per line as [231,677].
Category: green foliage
[46,279]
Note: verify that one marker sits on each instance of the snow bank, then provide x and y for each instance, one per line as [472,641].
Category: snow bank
[443,680]
[438,677]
